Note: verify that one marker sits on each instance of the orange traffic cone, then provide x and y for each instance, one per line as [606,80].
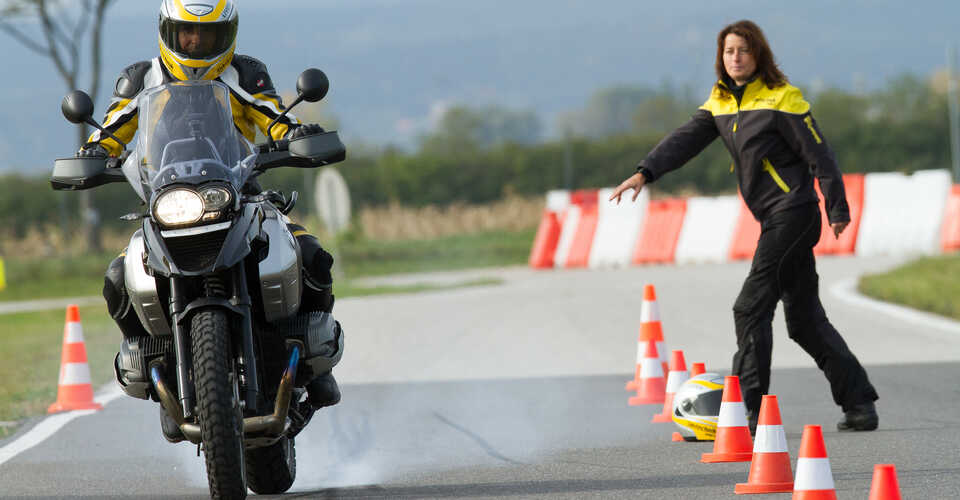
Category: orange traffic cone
[650,329]
[678,375]
[733,443]
[770,469]
[813,481]
[75,391]
[885,485]
[652,387]
[698,369]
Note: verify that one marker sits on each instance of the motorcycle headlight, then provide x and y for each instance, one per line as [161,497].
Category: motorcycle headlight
[178,206]
[215,198]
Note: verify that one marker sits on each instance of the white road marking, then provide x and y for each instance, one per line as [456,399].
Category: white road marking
[50,425]
[846,291]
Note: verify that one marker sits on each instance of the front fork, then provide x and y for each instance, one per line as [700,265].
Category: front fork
[239,304]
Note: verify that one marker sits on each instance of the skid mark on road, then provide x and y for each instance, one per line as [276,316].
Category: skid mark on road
[477,439]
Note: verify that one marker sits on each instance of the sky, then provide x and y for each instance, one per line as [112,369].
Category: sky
[395,65]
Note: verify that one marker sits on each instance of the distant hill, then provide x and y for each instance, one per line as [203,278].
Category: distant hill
[394,65]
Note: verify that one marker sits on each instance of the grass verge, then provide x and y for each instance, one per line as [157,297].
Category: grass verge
[30,349]
[928,284]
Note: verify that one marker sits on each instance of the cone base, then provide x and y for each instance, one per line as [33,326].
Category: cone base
[661,418]
[62,407]
[632,385]
[638,400]
[747,488]
[676,437]
[743,456]
[814,495]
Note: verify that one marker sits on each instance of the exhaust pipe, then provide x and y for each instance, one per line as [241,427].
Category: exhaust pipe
[271,425]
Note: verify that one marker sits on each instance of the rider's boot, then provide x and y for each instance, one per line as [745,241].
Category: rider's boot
[323,391]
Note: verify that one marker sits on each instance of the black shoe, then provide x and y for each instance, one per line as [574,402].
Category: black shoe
[323,391]
[752,422]
[171,431]
[861,417]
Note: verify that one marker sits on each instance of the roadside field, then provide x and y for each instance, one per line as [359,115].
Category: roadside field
[30,349]
[929,284]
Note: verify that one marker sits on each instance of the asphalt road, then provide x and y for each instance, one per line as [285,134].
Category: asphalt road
[516,390]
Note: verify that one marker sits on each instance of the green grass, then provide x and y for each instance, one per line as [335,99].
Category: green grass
[29,277]
[368,258]
[30,350]
[37,278]
[929,284]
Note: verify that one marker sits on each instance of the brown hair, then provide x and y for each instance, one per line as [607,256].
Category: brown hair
[766,66]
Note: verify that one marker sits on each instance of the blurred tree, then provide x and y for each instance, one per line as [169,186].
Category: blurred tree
[608,112]
[463,129]
[63,24]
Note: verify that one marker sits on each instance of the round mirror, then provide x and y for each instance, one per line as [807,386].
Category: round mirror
[77,107]
[312,85]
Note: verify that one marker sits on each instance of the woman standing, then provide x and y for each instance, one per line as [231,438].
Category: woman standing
[777,149]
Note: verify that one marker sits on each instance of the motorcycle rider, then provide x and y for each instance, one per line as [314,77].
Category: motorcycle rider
[197,42]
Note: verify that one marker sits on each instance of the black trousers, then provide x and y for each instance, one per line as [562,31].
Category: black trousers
[784,269]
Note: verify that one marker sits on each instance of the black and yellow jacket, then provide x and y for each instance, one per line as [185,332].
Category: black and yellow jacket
[775,143]
[253,99]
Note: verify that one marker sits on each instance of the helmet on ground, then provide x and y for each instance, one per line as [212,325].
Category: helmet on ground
[197,37]
[696,407]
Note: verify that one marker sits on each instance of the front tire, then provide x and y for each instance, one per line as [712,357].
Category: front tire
[218,402]
[272,469]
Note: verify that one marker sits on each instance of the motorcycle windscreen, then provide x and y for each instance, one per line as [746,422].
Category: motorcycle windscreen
[187,134]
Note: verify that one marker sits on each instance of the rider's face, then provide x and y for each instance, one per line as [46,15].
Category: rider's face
[195,39]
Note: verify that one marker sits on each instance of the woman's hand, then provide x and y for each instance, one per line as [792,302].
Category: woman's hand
[635,181]
[838,228]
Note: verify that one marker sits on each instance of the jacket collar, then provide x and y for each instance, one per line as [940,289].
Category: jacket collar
[738,92]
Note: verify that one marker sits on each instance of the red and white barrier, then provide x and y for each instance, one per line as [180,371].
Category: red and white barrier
[890,213]
[903,214]
[618,227]
[950,235]
[707,229]
[660,232]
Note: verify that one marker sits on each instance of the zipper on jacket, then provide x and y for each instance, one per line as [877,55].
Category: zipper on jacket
[768,167]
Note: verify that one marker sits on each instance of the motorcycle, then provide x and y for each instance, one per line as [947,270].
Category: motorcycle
[215,278]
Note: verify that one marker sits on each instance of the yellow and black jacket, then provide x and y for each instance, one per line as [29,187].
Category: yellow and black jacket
[775,143]
[253,98]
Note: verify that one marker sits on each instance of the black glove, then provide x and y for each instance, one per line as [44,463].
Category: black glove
[93,151]
[308,129]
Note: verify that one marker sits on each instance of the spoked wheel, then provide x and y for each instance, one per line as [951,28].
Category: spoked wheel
[218,401]
[272,469]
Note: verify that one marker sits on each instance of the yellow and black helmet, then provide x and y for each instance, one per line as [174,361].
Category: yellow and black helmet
[197,37]
[696,407]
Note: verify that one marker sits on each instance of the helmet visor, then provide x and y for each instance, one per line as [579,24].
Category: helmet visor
[198,40]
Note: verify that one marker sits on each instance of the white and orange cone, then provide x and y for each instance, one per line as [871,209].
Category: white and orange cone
[698,369]
[650,329]
[885,485]
[770,469]
[678,375]
[814,480]
[75,391]
[733,443]
[652,388]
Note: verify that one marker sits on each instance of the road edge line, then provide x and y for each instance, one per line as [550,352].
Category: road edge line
[846,290]
[48,426]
